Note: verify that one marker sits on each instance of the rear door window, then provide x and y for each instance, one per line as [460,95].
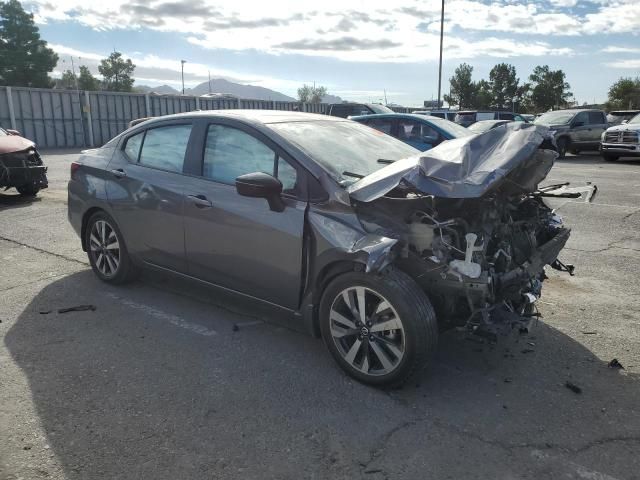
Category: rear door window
[165,147]
[132,147]
[381,124]
[596,118]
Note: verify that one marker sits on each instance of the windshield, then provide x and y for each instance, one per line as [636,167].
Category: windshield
[379,108]
[635,119]
[554,118]
[453,129]
[347,150]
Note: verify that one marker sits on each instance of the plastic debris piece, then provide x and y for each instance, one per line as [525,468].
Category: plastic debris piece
[78,308]
[615,364]
[590,332]
[573,387]
[45,312]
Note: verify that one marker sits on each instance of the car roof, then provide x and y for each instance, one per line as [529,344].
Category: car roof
[251,116]
[623,112]
[576,110]
[396,115]
[492,121]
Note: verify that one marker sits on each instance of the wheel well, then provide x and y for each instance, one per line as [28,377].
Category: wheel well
[566,138]
[85,219]
[324,277]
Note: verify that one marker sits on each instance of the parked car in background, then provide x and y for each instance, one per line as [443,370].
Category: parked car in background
[621,140]
[617,117]
[486,125]
[575,130]
[20,164]
[374,258]
[469,117]
[446,114]
[220,96]
[347,109]
[136,121]
[420,131]
[528,117]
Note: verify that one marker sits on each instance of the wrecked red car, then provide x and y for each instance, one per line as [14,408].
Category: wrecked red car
[20,164]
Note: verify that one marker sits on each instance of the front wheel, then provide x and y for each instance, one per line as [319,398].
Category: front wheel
[380,328]
[563,145]
[107,251]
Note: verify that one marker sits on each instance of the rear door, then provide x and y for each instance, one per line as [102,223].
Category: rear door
[237,242]
[597,125]
[146,193]
[580,129]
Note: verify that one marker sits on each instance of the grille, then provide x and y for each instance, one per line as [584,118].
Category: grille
[624,136]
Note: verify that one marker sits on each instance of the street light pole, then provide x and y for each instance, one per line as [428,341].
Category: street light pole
[182,62]
[440,67]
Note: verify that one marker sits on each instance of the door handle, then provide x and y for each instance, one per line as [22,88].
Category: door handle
[119,173]
[200,201]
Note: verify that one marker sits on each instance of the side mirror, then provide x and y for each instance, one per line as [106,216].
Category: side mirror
[578,124]
[13,132]
[261,185]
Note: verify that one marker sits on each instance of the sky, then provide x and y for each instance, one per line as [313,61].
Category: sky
[357,49]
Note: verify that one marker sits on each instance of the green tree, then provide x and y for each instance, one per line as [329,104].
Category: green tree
[482,98]
[68,81]
[25,59]
[548,89]
[624,94]
[462,90]
[311,94]
[504,85]
[86,81]
[117,73]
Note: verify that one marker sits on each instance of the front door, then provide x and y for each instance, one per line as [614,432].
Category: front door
[238,242]
[146,193]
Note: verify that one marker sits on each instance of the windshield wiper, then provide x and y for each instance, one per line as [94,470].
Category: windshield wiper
[385,161]
[351,174]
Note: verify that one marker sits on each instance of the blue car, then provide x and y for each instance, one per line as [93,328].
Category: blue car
[420,131]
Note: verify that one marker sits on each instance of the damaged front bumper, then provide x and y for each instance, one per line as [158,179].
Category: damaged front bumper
[23,169]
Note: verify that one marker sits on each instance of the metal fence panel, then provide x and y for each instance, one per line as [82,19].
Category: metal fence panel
[60,118]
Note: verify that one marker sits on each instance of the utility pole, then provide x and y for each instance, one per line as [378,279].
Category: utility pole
[182,62]
[385,96]
[440,67]
[209,81]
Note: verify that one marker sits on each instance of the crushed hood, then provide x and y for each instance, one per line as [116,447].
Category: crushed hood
[466,167]
[14,143]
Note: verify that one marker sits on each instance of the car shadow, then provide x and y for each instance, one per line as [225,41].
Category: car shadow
[127,392]
[16,200]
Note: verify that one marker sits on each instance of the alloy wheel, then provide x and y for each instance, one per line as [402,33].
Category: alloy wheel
[367,331]
[105,248]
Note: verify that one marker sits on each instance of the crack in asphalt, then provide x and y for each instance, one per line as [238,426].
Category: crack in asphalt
[609,246]
[41,250]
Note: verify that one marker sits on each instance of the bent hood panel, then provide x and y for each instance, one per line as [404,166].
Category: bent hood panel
[14,143]
[462,168]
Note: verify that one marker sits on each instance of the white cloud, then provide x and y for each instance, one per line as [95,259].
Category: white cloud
[614,49]
[627,64]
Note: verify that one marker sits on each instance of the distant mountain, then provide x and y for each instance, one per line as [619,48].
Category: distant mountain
[220,85]
[163,89]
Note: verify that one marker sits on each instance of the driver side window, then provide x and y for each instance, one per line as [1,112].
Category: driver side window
[230,152]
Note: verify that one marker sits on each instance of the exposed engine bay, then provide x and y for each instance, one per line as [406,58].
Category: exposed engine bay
[481,259]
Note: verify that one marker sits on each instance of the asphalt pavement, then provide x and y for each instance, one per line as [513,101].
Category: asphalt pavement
[156,383]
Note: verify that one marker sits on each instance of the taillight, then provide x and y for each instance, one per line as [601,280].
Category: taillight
[75,166]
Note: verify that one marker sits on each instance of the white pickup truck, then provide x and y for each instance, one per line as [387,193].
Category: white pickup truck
[621,140]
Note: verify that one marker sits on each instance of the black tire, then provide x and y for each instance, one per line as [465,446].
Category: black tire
[419,331]
[126,271]
[28,190]
[609,158]
[563,146]
[574,151]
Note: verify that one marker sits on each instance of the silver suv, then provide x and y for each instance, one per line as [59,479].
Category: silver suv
[575,130]
[621,140]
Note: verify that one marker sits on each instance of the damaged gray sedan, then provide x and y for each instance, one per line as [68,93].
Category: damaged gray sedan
[346,232]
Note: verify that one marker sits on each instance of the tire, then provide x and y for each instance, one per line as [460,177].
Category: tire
[609,158]
[28,190]
[383,358]
[106,248]
[563,145]
[574,151]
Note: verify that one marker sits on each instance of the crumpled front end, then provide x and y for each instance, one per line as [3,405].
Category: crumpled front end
[480,257]
[23,170]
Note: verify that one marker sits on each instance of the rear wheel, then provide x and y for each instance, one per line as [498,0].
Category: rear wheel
[574,151]
[28,190]
[107,251]
[563,145]
[381,329]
